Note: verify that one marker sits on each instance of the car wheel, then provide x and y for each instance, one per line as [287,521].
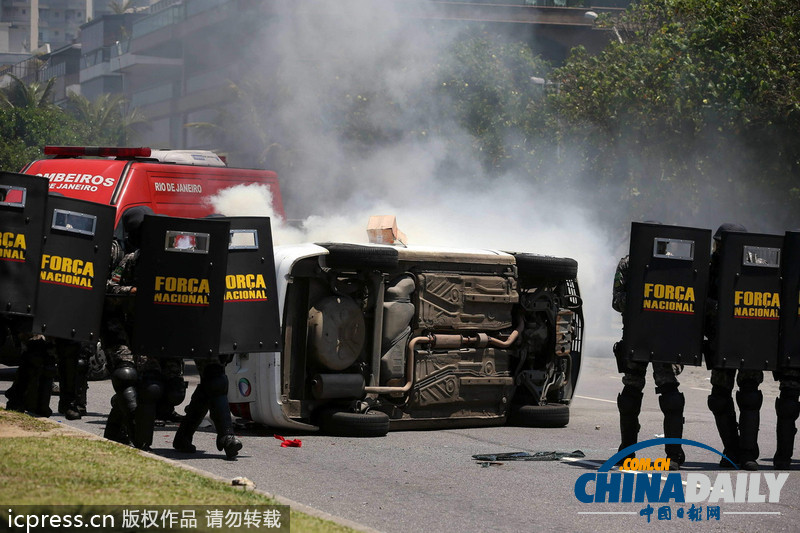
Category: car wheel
[98,365]
[551,415]
[541,269]
[355,255]
[347,424]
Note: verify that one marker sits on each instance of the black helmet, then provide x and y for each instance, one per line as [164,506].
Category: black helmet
[726,227]
[131,224]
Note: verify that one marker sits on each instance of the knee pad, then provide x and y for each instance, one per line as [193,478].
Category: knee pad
[720,403]
[787,407]
[672,402]
[629,401]
[749,399]
[123,377]
[216,382]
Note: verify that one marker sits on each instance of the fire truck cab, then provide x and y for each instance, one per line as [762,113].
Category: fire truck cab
[177,183]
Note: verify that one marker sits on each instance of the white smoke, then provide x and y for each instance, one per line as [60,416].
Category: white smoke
[333,190]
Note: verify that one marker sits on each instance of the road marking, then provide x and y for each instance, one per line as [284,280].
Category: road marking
[698,388]
[607,512]
[751,512]
[595,399]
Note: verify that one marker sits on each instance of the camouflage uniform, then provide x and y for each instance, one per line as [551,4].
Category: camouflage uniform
[665,376]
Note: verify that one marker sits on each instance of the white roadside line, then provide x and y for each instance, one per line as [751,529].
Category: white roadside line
[595,399]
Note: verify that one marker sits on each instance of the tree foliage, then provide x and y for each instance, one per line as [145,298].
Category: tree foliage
[29,121]
[106,119]
[20,94]
[25,130]
[695,114]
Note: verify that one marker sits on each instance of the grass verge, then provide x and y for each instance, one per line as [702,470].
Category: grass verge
[58,469]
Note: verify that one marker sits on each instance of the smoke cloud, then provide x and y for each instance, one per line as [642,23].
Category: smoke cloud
[427,175]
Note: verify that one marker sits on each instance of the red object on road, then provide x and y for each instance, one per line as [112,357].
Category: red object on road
[289,443]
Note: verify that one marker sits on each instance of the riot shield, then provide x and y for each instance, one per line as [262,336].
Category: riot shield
[74,268]
[23,201]
[666,291]
[748,314]
[180,287]
[250,321]
[789,340]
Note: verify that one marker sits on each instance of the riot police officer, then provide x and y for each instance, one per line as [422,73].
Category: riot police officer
[210,396]
[665,376]
[121,288]
[739,440]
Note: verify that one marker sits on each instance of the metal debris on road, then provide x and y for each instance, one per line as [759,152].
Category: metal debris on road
[525,456]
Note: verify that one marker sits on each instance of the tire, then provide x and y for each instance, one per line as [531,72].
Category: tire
[358,256]
[537,269]
[98,365]
[347,424]
[552,415]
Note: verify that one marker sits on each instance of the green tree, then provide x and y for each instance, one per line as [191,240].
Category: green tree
[695,114]
[106,119]
[24,131]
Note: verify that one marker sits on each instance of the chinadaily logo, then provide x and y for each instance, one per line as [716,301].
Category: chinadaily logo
[661,494]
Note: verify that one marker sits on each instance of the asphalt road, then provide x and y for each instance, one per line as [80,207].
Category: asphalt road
[428,480]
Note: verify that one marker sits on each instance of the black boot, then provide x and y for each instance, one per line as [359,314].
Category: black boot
[720,402]
[629,403]
[219,410]
[68,379]
[672,402]
[749,401]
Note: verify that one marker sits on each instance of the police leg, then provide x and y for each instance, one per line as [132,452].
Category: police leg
[119,426]
[195,413]
[44,387]
[749,400]
[148,393]
[68,378]
[787,407]
[174,391]
[672,403]
[629,404]
[720,403]
[16,392]
[219,410]
[82,377]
